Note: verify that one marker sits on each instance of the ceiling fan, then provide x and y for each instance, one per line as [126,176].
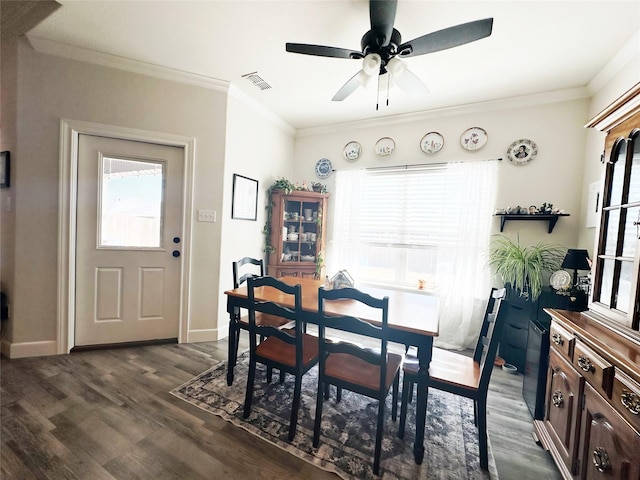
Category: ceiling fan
[382,49]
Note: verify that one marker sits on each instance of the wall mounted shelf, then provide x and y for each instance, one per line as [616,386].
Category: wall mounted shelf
[552,218]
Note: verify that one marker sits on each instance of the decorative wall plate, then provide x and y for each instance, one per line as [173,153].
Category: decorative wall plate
[323,168]
[352,150]
[560,279]
[385,146]
[522,152]
[432,143]
[473,138]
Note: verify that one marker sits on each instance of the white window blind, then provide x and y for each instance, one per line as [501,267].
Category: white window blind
[401,218]
[431,223]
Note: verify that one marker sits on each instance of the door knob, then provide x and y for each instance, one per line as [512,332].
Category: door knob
[176,253]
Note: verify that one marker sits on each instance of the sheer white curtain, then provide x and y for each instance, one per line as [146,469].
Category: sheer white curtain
[463,281]
[398,226]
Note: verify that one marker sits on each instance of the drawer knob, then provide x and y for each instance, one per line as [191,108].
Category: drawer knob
[585,364]
[601,459]
[557,399]
[557,339]
[631,401]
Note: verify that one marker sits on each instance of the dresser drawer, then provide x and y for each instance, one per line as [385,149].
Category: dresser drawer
[595,369]
[626,398]
[561,340]
[515,336]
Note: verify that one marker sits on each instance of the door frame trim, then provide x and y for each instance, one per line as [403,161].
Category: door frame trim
[70,131]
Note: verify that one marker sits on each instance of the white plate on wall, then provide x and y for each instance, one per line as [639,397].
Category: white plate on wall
[352,151]
[473,138]
[432,143]
[385,146]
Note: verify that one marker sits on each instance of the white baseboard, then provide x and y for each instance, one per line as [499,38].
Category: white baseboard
[206,335]
[28,349]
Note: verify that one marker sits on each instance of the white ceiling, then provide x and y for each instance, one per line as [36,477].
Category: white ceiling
[536,47]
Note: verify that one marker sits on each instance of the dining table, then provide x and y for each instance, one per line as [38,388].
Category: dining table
[412,321]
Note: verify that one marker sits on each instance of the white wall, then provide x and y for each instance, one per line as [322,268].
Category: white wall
[261,148]
[50,88]
[554,176]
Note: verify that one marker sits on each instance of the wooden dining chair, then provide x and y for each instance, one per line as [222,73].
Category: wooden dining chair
[366,371]
[463,375]
[243,269]
[290,350]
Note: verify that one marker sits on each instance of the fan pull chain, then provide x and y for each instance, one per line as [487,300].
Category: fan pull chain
[388,87]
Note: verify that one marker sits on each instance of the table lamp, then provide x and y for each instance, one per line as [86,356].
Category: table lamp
[576,259]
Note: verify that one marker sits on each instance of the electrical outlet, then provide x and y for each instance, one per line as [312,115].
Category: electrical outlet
[206,216]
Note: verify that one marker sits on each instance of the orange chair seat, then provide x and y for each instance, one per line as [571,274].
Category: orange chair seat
[274,349]
[448,367]
[355,370]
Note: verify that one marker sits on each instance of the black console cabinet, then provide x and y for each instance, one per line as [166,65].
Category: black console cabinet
[525,343]
[513,347]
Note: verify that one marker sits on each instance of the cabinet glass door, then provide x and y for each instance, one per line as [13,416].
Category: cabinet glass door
[301,221]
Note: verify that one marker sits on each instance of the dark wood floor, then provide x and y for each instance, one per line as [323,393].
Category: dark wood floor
[108,414]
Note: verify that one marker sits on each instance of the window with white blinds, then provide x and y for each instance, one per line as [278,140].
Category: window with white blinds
[392,225]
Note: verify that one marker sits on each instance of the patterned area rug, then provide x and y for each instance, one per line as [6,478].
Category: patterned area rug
[348,428]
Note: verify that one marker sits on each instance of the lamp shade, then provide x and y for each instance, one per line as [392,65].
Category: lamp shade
[576,259]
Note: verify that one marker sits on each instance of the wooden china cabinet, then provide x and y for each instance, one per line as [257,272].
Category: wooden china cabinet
[298,230]
[592,409]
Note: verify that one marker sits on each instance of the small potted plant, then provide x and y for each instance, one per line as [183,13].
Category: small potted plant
[522,268]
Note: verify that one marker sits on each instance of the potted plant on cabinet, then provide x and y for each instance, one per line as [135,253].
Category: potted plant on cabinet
[522,268]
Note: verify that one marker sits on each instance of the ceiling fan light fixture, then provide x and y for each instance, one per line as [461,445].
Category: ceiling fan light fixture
[396,67]
[371,64]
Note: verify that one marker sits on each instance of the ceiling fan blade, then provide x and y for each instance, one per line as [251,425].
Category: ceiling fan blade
[405,79]
[323,51]
[351,86]
[382,14]
[447,38]
[411,84]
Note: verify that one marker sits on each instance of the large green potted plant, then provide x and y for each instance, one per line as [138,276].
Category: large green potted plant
[522,268]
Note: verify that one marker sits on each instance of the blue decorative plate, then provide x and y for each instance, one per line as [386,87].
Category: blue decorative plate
[323,168]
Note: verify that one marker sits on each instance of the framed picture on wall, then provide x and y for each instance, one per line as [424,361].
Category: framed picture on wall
[244,205]
[4,169]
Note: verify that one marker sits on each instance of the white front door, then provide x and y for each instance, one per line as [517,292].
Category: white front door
[128,241]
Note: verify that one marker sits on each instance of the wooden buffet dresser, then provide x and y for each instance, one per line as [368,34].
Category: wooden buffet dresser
[592,418]
[591,425]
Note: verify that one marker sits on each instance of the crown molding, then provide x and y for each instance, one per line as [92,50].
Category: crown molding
[49,47]
[59,49]
[457,110]
[624,107]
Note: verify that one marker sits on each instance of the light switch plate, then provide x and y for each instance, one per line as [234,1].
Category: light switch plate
[207,216]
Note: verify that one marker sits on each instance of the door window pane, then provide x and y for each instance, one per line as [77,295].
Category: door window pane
[132,193]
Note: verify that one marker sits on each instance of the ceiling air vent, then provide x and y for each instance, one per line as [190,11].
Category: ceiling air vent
[257,80]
